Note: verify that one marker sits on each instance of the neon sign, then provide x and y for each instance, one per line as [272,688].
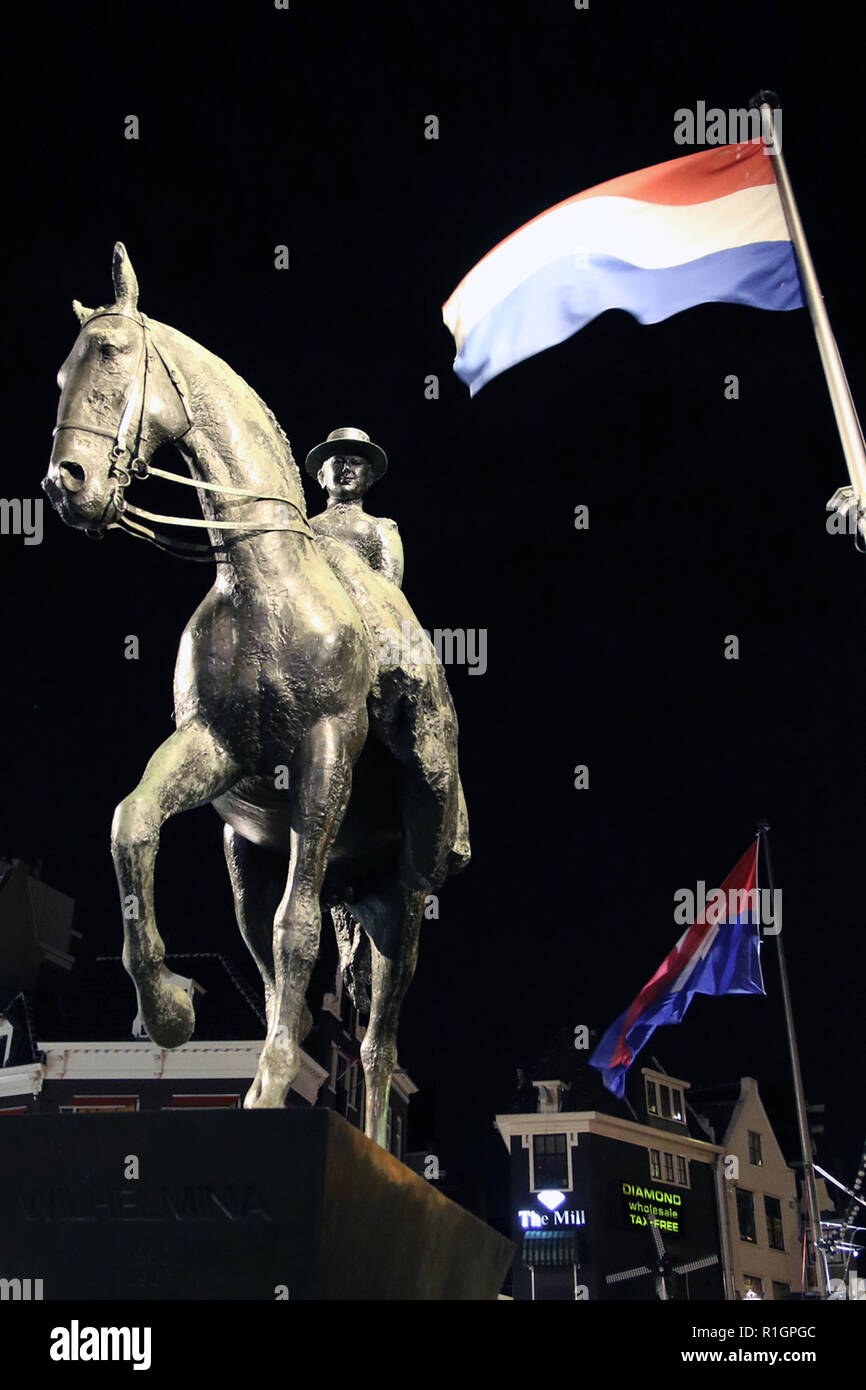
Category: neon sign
[535,1220]
[550,1199]
[653,1206]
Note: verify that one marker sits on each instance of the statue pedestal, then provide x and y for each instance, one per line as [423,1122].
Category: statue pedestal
[261,1204]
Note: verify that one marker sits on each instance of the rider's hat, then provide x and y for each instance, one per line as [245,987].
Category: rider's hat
[351,443]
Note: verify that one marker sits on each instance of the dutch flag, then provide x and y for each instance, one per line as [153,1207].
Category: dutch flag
[706,228]
[718,954]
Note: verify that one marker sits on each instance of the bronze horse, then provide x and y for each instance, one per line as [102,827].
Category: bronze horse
[332,763]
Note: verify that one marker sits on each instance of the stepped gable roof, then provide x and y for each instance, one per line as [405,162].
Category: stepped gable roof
[716,1105]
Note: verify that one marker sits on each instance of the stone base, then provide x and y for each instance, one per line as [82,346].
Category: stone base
[230,1205]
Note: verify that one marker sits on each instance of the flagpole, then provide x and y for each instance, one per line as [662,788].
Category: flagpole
[847,422]
[813,1212]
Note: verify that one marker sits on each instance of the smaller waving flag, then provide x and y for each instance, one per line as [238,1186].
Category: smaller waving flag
[708,227]
[718,954]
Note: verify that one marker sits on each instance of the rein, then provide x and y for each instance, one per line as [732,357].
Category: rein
[137,467]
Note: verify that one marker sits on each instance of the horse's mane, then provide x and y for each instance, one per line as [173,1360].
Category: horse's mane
[281,433]
[289,458]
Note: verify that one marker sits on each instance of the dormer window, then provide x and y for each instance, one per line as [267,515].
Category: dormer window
[671,1103]
[664,1098]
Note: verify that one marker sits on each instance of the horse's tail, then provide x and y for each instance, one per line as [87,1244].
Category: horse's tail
[355,961]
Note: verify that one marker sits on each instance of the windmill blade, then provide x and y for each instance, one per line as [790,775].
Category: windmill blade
[628,1274]
[703,1263]
[659,1243]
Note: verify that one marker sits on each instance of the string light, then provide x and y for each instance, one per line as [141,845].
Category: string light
[852,1211]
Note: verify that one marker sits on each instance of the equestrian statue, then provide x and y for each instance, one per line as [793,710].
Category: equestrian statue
[328,749]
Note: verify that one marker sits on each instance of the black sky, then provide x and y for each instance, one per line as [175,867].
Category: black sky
[306,127]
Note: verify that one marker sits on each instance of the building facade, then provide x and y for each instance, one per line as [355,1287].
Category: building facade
[759,1205]
[673,1192]
[612,1200]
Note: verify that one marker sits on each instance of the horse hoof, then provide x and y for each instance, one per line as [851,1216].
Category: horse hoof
[168,1014]
[272,1081]
[267,1092]
[253,1097]
[265,1096]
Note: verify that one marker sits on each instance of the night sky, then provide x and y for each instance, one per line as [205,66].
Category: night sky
[261,127]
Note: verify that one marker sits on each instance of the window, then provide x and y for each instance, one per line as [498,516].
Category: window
[773,1213]
[99,1105]
[755,1153]
[780,1291]
[397,1149]
[673,1165]
[746,1215]
[664,1100]
[549,1161]
[754,1287]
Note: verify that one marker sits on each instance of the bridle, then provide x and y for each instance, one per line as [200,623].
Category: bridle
[137,467]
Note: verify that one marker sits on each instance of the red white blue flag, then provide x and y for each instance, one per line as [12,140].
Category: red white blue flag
[706,228]
[718,954]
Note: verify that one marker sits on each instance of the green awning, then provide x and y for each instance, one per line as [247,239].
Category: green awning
[550,1249]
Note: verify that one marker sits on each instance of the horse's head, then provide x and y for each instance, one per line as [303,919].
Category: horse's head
[117,403]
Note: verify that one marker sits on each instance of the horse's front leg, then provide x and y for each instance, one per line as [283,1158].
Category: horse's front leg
[189,769]
[320,776]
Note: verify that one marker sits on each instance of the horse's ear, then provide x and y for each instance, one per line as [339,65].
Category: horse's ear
[81,313]
[125,283]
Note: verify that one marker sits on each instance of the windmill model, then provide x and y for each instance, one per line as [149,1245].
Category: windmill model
[662,1268]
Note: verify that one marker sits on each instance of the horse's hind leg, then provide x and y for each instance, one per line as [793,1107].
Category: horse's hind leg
[189,769]
[258,878]
[391,977]
[321,777]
